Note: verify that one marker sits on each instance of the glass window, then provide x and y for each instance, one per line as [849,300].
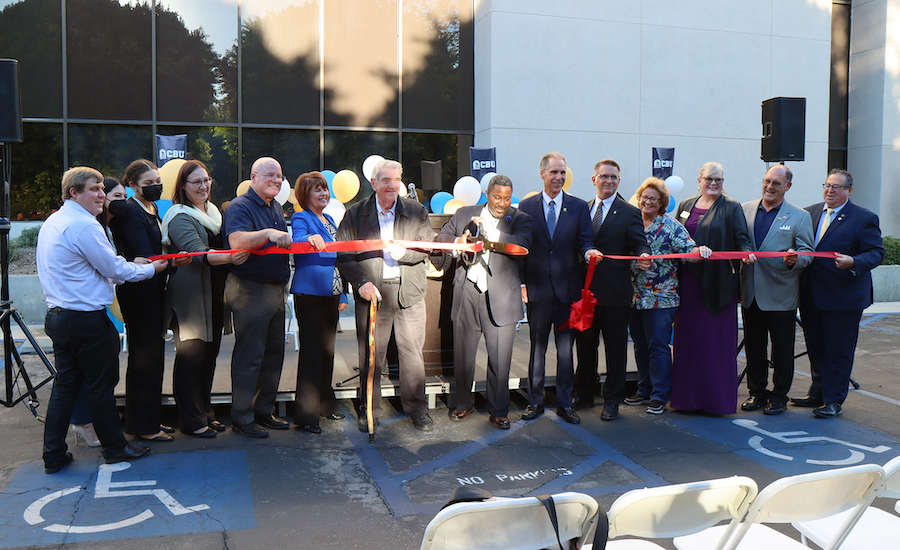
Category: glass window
[430,147]
[108,59]
[296,150]
[31,31]
[361,71]
[438,60]
[216,147]
[347,150]
[192,38]
[279,62]
[35,188]
[109,148]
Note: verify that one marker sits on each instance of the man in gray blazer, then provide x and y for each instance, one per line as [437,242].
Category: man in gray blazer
[770,289]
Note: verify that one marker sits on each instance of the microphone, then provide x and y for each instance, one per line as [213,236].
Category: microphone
[411,192]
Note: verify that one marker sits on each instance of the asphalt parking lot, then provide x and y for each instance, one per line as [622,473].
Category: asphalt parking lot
[337,490]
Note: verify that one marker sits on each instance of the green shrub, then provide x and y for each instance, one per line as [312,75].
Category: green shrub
[27,239]
[891,251]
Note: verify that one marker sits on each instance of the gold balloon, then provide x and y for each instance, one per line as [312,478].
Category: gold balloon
[298,208]
[292,196]
[633,201]
[569,179]
[531,194]
[345,185]
[453,205]
[168,173]
[114,307]
[242,188]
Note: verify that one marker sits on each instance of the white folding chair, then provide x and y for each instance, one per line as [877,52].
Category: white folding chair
[674,510]
[289,322]
[875,528]
[510,524]
[797,498]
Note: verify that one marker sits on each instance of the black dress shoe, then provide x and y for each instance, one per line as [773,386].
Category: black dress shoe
[272,422]
[217,426]
[129,452]
[807,401]
[334,416]
[610,411]
[56,465]
[423,423]
[754,403]
[828,410]
[311,428]
[775,408]
[580,403]
[532,411]
[569,415]
[363,424]
[457,415]
[250,429]
[206,433]
[500,422]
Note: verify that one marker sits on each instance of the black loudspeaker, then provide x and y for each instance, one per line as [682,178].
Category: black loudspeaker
[10,111]
[431,176]
[784,129]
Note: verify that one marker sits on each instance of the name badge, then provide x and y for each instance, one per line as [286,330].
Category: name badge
[685,215]
[785,228]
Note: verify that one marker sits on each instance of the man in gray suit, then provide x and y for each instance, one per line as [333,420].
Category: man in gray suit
[770,290]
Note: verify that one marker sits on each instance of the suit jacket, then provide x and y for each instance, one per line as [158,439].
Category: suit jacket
[313,273]
[622,233]
[504,284]
[854,232]
[773,285]
[410,224]
[723,228]
[554,266]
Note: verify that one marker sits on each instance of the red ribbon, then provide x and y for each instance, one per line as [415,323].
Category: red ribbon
[338,246]
[722,255]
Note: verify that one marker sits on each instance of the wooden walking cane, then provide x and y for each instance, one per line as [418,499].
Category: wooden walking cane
[370,378]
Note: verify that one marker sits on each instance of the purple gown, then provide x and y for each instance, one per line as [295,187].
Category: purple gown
[704,369]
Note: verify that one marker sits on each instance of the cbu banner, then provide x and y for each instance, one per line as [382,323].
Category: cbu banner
[170,147]
[663,162]
[483,161]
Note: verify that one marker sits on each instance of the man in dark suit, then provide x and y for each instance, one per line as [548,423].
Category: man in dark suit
[396,277]
[833,294]
[487,299]
[770,290]
[616,228]
[560,243]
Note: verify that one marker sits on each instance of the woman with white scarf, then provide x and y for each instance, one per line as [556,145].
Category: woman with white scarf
[195,294]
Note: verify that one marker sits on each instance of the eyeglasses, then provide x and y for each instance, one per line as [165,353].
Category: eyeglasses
[270,176]
[607,177]
[651,200]
[774,184]
[828,186]
[717,181]
[201,183]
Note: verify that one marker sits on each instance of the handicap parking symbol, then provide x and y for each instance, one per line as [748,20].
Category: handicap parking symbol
[166,494]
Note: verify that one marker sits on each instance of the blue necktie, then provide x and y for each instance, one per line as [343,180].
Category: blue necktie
[551,218]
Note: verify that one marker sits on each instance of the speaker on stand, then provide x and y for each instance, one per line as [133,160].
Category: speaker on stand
[784,129]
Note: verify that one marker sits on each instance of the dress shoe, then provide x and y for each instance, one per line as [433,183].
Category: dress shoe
[637,399]
[160,437]
[217,426]
[828,410]
[500,422]
[579,403]
[128,452]
[610,411]
[423,423]
[775,408]
[311,428]
[457,415]
[532,411]
[807,401]
[363,424]
[753,403]
[206,432]
[56,465]
[166,429]
[272,422]
[250,429]
[334,416]
[569,415]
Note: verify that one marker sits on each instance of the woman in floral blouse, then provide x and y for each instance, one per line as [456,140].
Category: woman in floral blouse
[656,296]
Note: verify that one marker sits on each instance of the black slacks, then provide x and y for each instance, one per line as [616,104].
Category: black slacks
[613,323]
[759,326]
[142,309]
[317,318]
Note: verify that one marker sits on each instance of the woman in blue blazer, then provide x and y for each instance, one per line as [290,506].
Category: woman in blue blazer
[318,298]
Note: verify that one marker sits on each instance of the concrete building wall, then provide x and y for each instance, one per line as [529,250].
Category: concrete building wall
[614,78]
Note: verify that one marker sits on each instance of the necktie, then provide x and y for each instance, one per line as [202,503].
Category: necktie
[825,225]
[551,218]
[598,220]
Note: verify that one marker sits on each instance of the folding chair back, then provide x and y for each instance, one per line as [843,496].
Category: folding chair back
[510,524]
[674,510]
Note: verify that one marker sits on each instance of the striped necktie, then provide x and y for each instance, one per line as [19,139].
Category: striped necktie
[598,219]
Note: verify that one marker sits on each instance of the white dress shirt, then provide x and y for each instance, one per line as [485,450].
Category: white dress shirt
[477,273]
[386,218]
[76,264]
[607,204]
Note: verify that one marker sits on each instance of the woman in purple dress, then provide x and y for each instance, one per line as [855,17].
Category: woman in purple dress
[704,373]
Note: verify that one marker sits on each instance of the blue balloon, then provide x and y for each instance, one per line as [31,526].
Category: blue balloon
[329,177]
[129,192]
[514,200]
[482,199]
[671,204]
[120,326]
[163,206]
[438,200]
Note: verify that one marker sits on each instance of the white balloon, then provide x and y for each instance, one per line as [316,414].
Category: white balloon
[468,190]
[284,193]
[486,179]
[675,184]
[336,210]
[369,165]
